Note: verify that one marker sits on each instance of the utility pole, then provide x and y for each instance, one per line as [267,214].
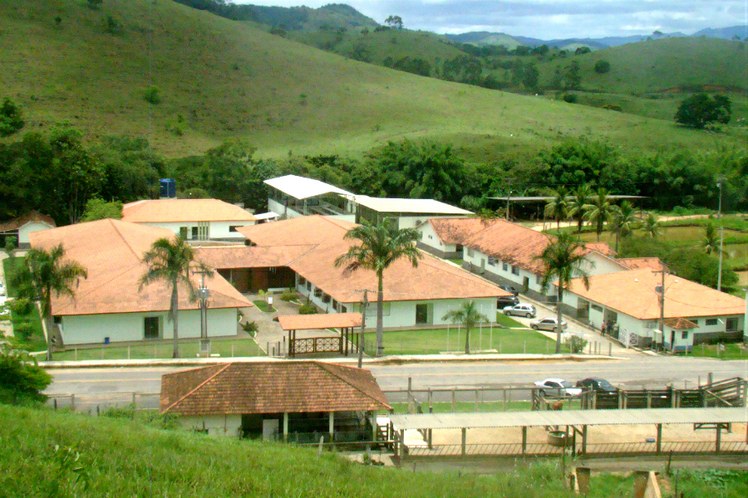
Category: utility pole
[203,294]
[660,289]
[364,305]
[721,235]
[508,195]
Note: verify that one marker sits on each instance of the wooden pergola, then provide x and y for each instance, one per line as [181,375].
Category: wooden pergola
[345,322]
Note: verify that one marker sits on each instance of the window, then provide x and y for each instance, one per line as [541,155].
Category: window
[491,261]
[505,266]
[684,334]
[317,292]
[695,321]
[538,279]
[183,232]
[302,280]
[233,228]
[470,252]
[732,324]
[308,286]
[597,308]
[151,327]
[711,321]
[515,270]
[194,233]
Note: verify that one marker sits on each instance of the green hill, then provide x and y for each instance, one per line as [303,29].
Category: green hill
[218,78]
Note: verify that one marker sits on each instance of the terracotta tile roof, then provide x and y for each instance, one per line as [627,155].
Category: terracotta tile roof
[320,321]
[680,324]
[183,210]
[227,257]
[31,216]
[641,263]
[633,293]
[432,279]
[601,247]
[270,387]
[111,251]
[512,243]
[458,230]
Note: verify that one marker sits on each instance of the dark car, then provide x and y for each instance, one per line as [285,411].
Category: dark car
[509,288]
[504,301]
[596,384]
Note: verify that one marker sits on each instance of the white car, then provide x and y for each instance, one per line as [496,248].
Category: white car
[557,387]
[548,323]
[526,310]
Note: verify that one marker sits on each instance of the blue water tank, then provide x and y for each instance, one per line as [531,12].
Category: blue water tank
[168,188]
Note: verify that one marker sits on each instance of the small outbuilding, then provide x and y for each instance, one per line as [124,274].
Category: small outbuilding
[296,401]
[21,227]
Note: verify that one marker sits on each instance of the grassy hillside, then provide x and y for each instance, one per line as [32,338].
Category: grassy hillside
[219,78]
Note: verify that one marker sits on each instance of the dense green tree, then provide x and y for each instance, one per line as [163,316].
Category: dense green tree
[699,110]
[468,316]
[562,261]
[572,76]
[711,239]
[578,204]
[623,220]
[531,77]
[602,66]
[11,119]
[47,272]
[99,209]
[394,22]
[21,379]
[651,226]
[599,211]
[377,247]
[171,260]
[558,207]
[132,168]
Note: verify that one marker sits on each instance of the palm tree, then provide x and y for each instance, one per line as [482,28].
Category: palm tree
[599,210]
[468,316]
[380,246]
[624,218]
[579,203]
[48,272]
[558,207]
[562,261]
[651,226]
[711,241]
[170,260]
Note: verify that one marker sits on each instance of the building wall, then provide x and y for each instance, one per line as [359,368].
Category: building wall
[217,230]
[93,329]
[505,273]
[431,242]
[216,425]
[30,227]
[597,264]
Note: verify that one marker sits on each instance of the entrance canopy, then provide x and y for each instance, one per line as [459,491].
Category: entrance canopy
[570,417]
[320,321]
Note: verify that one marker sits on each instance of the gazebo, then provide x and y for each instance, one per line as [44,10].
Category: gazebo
[345,322]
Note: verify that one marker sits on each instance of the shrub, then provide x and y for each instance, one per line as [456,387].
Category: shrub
[113,26]
[21,379]
[23,330]
[11,244]
[289,295]
[570,98]
[307,309]
[576,344]
[602,66]
[94,4]
[20,306]
[152,95]
[250,327]
[11,119]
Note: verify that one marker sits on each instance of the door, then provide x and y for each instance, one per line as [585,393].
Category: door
[270,429]
[151,327]
[422,314]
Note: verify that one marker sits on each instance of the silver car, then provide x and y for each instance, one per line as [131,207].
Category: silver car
[548,323]
[526,310]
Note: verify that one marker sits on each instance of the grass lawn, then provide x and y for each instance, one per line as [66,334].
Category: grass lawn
[162,349]
[733,351]
[508,322]
[434,341]
[33,339]
[264,306]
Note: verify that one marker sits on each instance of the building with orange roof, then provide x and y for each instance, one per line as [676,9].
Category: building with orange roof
[507,253]
[445,237]
[109,306]
[412,296]
[23,226]
[629,304]
[193,219]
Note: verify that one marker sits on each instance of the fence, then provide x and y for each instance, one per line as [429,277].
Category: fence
[101,401]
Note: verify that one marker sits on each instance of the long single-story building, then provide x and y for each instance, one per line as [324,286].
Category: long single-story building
[445,237]
[23,226]
[297,401]
[193,219]
[409,213]
[507,253]
[291,196]
[110,306]
[629,303]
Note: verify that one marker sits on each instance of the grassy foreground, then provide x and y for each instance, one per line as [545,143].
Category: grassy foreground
[119,457]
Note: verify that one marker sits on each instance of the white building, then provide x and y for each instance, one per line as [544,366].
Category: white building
[193,219]
[629,303]
[23,226]
[110,306]
[409,213]
[507,253]
[445,237]
[291,196]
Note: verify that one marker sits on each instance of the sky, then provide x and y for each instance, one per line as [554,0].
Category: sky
[548,19]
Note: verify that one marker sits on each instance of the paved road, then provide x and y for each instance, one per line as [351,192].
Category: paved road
[94,386]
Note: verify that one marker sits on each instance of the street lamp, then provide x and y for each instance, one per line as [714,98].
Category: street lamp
[203,294]
[721,236]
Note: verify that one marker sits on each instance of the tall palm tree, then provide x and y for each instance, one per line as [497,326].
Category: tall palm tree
[578,204]
[599,210]
[562,261]
[711,241]
[558,207]
[171,260]
[651,226]
[47,272]
[380,246]
[468,316]
[624,219]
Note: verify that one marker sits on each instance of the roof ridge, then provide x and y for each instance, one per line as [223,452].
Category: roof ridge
[211,377]
[117,227]
[336,374]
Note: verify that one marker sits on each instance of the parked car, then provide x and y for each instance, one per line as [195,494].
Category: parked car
[504,301]
[548,323]
[526,310]
[557,387]
[509,288]
[597,384]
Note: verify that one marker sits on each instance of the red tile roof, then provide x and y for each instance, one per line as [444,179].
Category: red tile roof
[271,387]
[641,263]
[228,257]
[458,230]
[111,252]
[31,216]
[432,279]
[680,324]
[511,243]
[183,210]
[320,321]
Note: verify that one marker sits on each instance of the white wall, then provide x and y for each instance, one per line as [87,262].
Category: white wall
[92,329]
[431,239]
[25,230]
[216,425]
[598,264]
[403,313]
[216,229]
